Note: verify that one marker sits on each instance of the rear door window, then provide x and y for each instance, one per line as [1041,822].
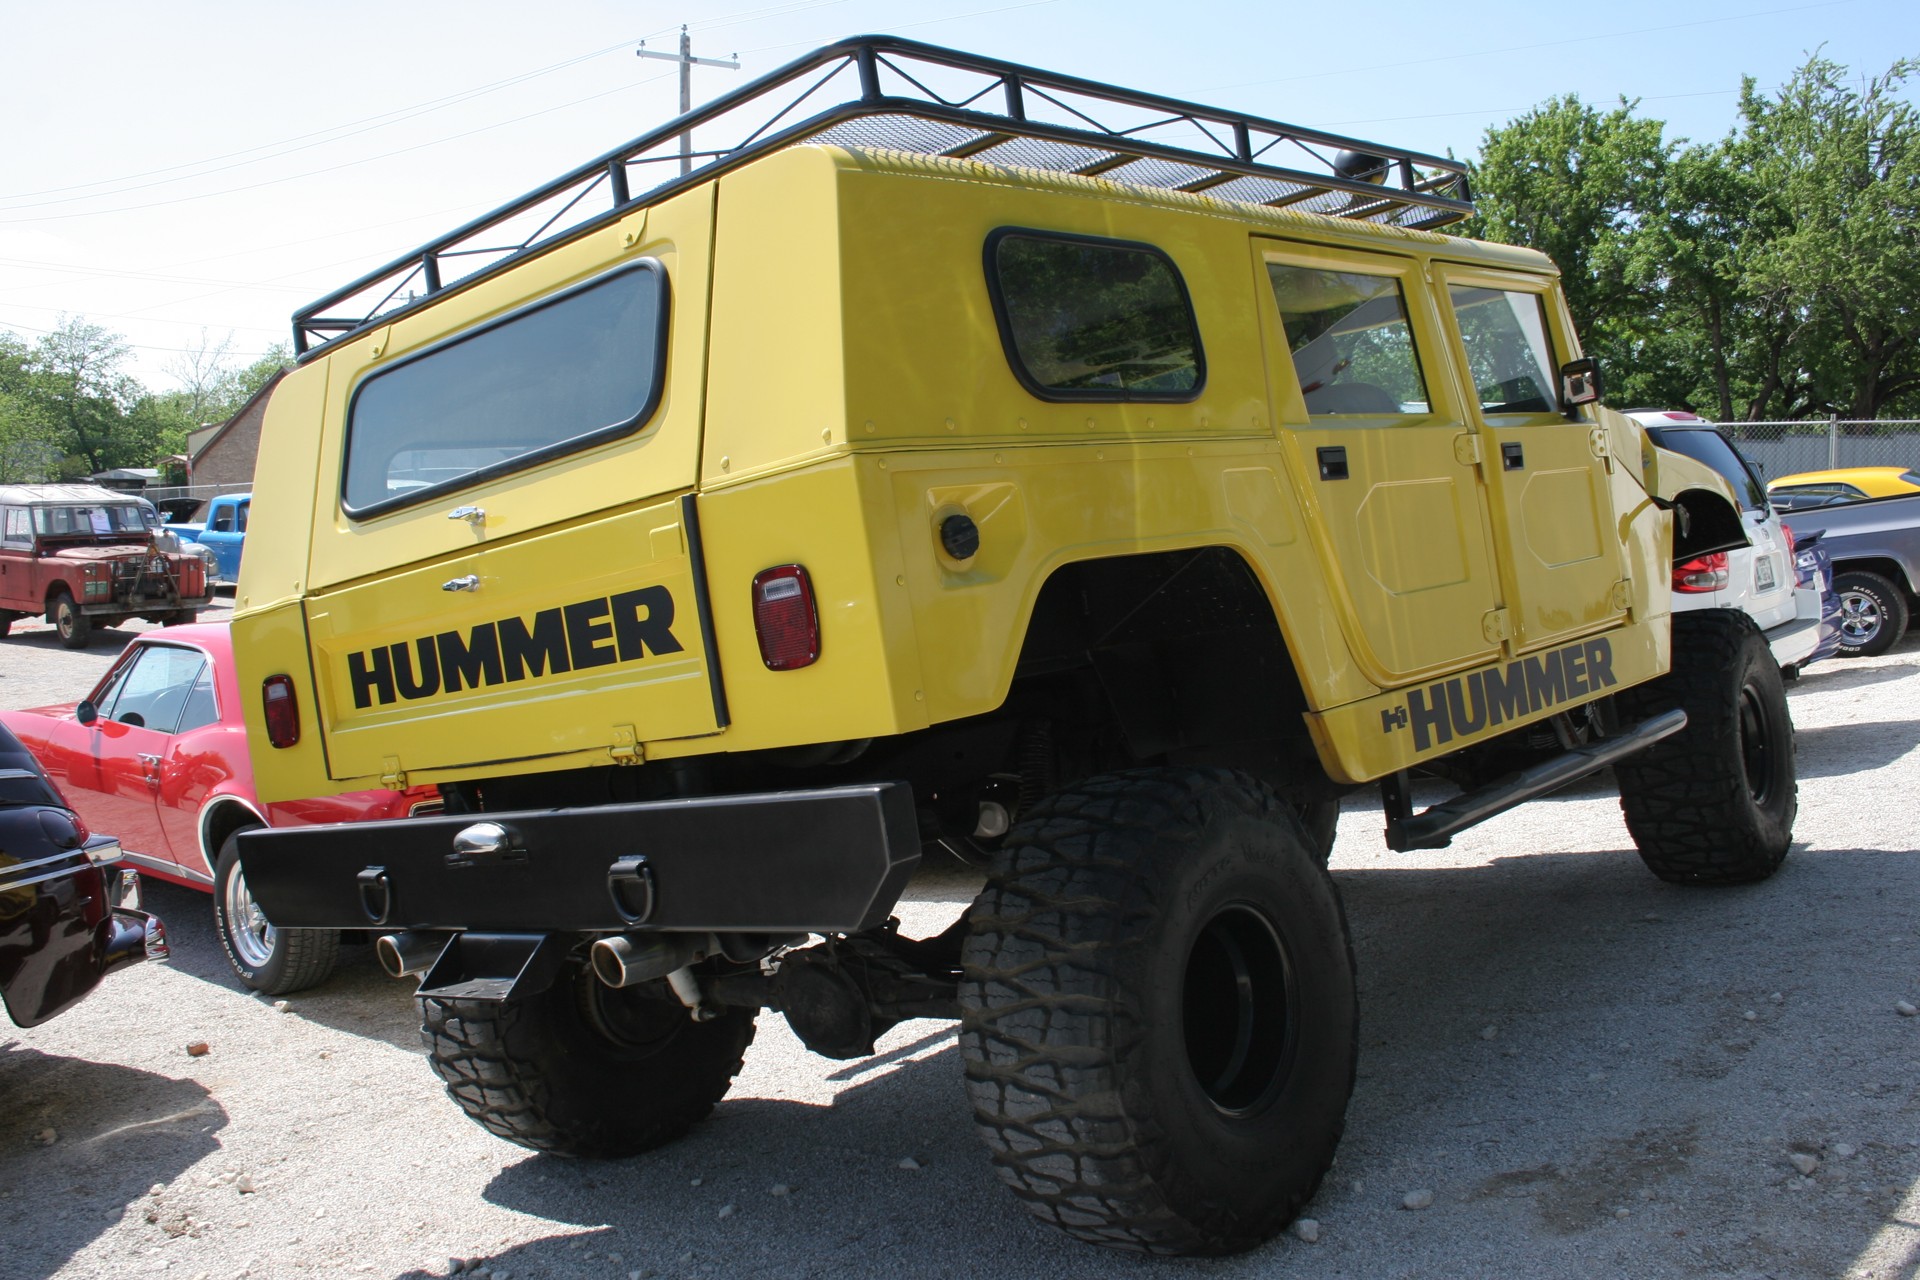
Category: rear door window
[568,372]
[1351,342]
[1088,319]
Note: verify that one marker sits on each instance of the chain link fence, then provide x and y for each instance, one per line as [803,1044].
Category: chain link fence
[1821,444]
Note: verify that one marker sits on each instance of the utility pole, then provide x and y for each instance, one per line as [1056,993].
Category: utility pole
[687,62]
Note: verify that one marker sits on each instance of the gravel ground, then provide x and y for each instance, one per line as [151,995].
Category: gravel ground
[1583,1071]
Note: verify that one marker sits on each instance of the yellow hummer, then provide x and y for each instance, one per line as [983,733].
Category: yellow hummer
[912,451]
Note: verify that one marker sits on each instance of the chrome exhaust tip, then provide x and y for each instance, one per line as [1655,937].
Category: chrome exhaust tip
[625,960]
[403,955]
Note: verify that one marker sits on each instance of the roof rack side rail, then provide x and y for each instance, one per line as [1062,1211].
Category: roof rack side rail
[1038,118]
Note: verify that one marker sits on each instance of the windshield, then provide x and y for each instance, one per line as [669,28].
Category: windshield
[1711,447]
[104,519]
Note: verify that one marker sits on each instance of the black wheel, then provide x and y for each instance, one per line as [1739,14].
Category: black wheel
[6,623]
[268,960]
[75,628]
[1158,1012]
[1320,819]
[1873,614]
[1715,803]
[584,1069]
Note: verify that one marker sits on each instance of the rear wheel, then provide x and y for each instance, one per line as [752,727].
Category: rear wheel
[1158,1012]
[74,627]
[1873,614]
[268,960]
[1715,803]
[584,1069]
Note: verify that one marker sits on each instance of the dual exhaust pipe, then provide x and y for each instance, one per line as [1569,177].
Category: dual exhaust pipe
[623,960]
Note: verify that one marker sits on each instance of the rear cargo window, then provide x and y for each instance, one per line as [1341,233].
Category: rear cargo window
[1085,319]
[569,372]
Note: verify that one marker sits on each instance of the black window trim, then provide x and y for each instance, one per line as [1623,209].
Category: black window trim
[537,457]
[1091,395]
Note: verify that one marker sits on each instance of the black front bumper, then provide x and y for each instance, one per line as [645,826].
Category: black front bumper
[826,861]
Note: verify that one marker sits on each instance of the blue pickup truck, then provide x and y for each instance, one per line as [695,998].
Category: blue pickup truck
[1875,547]
[223,532]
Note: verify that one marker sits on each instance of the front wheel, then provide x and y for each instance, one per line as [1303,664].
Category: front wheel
[268,960]
[1158,1012]
[1714,803]
[581,1068]
[74,627]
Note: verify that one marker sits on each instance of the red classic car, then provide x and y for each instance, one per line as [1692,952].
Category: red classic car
[157,756]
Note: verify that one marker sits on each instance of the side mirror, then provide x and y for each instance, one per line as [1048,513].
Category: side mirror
[86,712]
[1580,383]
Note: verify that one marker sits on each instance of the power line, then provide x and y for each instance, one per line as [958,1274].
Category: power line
[335,168]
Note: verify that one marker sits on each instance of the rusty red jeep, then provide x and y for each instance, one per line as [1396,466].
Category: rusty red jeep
[82,556]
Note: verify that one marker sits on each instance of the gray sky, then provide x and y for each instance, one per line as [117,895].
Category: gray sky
[214,164]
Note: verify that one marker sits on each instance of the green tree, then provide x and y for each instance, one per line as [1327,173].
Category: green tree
[29,444]
[1575,182]
[79,382]
[1839,170]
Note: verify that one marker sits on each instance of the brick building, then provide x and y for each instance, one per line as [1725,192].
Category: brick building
[223,455]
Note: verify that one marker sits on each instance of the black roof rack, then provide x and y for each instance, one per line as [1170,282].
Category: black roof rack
[884,92]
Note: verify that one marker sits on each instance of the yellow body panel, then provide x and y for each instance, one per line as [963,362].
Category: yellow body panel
[836,387]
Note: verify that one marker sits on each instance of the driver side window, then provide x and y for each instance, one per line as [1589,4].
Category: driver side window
[154,688]
[1351,342]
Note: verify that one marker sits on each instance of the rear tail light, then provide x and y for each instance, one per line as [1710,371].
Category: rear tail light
[1702,573]
[1793,557]
[282,710]
[785,619]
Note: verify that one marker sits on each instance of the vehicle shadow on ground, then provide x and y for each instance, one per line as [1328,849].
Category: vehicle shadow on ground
[359,998]
[107,1150]
[1836,750]
[1504,1065]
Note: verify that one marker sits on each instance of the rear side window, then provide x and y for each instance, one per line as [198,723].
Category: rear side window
[1087,319]
[571,371]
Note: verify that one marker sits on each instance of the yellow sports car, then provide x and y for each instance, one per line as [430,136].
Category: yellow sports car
[1847,484]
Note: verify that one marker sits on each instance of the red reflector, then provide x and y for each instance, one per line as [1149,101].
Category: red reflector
[283,711]
[1702,573]
[785,619]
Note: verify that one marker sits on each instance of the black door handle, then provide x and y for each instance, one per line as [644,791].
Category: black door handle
[1333,461]
[1512,457]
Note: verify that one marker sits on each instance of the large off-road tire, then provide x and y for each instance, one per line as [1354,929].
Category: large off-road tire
[583,1069]
[73,627]
[268,960]
[1320,820]
[1158,1012]
[1715,803]
[1873,614]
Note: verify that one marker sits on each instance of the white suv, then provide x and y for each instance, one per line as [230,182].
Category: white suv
[1762,578]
